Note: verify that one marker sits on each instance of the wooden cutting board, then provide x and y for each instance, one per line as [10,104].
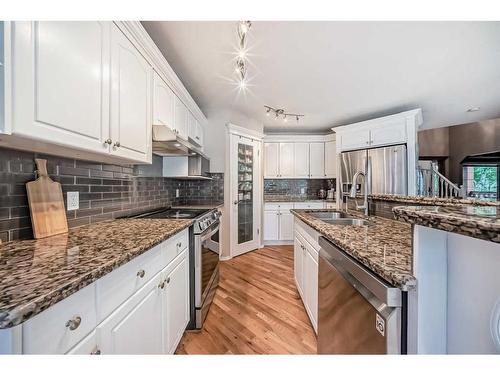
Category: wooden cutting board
[45,198]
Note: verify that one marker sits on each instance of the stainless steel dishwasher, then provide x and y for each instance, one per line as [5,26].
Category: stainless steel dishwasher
[358,312]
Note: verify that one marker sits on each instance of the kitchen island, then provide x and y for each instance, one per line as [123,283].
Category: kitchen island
[446,257]
[456,261]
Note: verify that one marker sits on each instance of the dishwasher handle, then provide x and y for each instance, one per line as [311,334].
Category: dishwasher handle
[358,276]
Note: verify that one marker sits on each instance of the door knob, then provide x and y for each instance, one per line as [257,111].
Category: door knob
[74,323]
[117,144]
[235,202]
[108,141]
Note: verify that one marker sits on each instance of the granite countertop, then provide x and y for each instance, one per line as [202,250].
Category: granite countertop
[431,201]
[294,198]
[384,247]
[36,274]
[481,222]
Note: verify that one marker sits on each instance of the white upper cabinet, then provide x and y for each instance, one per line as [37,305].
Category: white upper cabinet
[330,159]
[388,133]
[181,119]
[290,157]
[61,82]
[131,78]
[195,131]
[163,104]
[287,160]
[271,160]
[317,160]
[301,160]
[86,90]
[355,139]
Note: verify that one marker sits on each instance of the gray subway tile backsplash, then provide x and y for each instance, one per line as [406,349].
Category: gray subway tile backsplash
[105,191]
[296,187]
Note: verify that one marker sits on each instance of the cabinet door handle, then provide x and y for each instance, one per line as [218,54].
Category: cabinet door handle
[74,323]
[168,280]
[117,144]
[96,351]
[161,285]
[108,141]
[141,273]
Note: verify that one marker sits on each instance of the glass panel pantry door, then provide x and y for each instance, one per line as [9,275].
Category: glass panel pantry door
[246,199]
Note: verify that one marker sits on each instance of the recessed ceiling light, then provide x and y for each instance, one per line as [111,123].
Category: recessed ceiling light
[474,109]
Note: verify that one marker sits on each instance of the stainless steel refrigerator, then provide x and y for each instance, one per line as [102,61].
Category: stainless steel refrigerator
[386,169]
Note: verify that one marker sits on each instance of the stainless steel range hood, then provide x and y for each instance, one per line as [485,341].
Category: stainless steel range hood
[168,143]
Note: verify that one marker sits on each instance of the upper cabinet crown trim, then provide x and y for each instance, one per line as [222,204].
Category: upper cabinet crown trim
[161,65]
[414,113]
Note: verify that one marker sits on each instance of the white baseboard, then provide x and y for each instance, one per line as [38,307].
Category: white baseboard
[222,259]
[278,243]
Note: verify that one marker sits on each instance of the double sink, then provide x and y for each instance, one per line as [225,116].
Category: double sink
[339,218]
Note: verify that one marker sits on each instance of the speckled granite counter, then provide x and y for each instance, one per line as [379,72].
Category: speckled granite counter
[431,201]
[36,274]
[481,222]
[294,198]
[385,247]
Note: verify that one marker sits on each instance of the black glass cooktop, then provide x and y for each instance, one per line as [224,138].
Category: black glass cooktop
[172,213]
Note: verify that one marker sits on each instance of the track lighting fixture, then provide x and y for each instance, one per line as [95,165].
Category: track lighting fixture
[279,112]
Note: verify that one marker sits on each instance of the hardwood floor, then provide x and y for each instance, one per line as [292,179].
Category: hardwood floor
[256,309]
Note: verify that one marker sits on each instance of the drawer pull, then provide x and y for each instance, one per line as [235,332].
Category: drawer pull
[162,285]
[74,323]
[141,273]
[95,352]
[168,280]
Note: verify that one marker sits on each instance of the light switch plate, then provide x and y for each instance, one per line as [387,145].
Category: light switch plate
[73,201]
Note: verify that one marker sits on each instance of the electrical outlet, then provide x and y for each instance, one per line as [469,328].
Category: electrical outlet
[73,201]
[177,193]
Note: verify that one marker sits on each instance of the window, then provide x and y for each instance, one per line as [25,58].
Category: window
[481,181]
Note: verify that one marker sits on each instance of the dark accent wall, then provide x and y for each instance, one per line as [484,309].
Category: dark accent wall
[276,187]
[458,141]
[105,191]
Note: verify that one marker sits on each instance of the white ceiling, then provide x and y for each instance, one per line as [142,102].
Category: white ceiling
[340,72]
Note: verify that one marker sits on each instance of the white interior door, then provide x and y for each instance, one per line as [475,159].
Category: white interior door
[245,194]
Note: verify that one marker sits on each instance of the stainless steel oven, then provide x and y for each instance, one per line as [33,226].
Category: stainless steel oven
[206,256]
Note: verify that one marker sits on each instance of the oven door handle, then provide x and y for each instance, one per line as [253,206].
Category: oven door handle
[211,233]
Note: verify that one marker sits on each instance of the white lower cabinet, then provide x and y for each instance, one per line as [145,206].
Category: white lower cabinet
[175,304]
[87,346]
[136,326]
[306,273]
[278,220]
[141,307]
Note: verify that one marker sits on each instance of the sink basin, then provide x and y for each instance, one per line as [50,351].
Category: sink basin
[327,215]
[347,221]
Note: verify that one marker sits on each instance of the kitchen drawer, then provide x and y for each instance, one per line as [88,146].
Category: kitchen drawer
[309,205]
[330,205]
[87,346]
[47,333]
[282,206]
[114,288]
[176,244]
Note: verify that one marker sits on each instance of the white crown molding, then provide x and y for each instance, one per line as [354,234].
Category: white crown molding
[414,114]
[298,138]
[151,52]
[244,132]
